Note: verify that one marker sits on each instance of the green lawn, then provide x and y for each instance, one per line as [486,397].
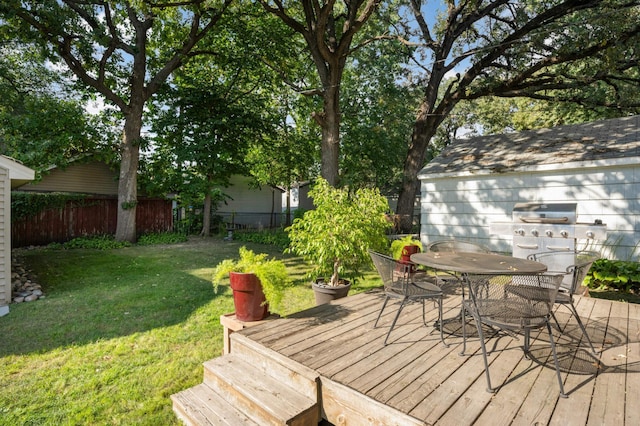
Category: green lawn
[120,331]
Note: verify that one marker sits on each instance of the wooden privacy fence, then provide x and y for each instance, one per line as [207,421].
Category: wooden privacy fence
[91,216]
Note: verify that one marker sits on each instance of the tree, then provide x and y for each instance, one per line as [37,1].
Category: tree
[329,29]
[534,49]
[219,116]
[207,123]
[30,95]
[376,107]
[121,50]
[286,156]
[502,115]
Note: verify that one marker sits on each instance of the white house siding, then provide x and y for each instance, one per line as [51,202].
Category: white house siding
[5,241]
[463,206]
[12,175]
[249,205]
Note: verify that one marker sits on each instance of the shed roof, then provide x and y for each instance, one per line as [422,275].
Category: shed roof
[617,138]
[18,173]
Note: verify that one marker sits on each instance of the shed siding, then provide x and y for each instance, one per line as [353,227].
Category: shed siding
[5,238]
[464,206]
[89,178]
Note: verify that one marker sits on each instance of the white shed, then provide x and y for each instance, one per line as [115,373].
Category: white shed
[12,175]
[478,181]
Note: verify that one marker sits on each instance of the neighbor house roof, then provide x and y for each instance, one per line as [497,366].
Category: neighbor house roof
[598,141]
[18,173]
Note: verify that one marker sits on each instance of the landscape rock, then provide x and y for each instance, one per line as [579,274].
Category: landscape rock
[24,285]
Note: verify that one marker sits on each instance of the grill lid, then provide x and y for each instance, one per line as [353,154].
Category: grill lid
[562,213]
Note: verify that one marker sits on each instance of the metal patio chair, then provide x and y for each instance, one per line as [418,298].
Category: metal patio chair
[579,264]
[401,284]
[492,303]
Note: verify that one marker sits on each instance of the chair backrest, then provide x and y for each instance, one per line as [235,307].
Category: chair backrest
[395,275]
[574,264]
[457,245]
[514,299]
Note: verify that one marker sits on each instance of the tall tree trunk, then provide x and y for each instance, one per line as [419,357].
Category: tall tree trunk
[128,183]
[423,130]
[330,123]
[206,215]
[272,213]
[288,216]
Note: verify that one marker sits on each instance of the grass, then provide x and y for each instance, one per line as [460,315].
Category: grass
[120,331]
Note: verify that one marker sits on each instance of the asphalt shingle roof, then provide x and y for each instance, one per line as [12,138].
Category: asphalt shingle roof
[598,140]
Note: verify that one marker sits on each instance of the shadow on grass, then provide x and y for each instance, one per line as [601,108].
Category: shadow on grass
[92,296]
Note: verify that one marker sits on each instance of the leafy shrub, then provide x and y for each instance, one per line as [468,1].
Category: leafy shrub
[398,245]
[278,237]
[336,235]
[623,276]
[107,242]
[298,213]
[272,273]
[99,242]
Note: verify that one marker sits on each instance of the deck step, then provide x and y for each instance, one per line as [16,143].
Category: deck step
[264,399]
[201,405]
[304,379]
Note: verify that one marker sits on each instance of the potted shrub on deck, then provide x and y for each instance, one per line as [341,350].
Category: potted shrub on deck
[403,248]
[257,283]
[335,237]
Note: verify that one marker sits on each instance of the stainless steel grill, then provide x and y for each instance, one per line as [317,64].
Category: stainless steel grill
[543,227]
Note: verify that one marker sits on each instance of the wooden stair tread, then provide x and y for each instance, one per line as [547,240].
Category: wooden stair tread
[201,405]
[294,374]
[262,395]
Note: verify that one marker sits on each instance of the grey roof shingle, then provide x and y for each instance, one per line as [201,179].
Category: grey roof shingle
[598,140]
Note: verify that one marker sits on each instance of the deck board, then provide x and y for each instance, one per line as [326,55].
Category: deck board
[417,375]
[608,396]
[632,365]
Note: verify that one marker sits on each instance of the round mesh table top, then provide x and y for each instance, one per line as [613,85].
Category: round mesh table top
[478,263]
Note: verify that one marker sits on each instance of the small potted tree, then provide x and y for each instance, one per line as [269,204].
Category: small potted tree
[257,283]
[335,236]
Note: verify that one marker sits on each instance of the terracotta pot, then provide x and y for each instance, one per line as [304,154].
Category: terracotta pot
[248,297]
[326,293]
[405,256]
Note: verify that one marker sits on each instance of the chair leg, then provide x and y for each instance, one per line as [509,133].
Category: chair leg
[484,355]
[556,320]
[386,299]
[441,324]
[394,320]
[464,330]
[584,330]
[555,360]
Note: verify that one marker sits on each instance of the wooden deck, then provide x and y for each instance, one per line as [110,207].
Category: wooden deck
[416,375]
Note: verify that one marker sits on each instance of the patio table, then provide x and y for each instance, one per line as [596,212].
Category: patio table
[473,263]
[478,263]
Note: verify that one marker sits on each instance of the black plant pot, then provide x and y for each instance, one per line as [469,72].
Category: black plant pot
[325,293]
